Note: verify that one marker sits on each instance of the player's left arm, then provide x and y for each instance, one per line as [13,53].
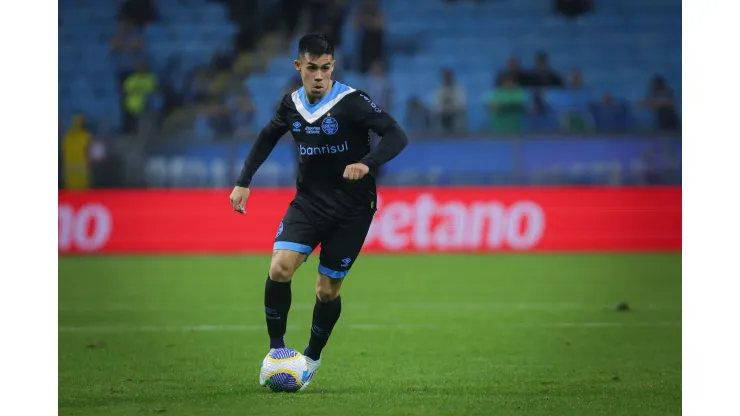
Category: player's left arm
[393,138]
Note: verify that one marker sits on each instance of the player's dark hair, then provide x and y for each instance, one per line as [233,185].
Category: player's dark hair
[315,44]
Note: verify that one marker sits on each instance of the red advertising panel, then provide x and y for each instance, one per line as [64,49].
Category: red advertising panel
[408,220]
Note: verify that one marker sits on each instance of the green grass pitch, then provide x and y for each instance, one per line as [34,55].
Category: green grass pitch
[504,334]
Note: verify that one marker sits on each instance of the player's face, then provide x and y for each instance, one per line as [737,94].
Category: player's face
[315,73]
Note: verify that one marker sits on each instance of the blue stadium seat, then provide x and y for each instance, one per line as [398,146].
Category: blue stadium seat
[618,47]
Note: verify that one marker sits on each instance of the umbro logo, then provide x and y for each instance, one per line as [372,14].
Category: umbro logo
[297,126]
[346,262]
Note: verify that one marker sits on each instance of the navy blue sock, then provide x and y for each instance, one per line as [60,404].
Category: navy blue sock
[277,305]
[325,316]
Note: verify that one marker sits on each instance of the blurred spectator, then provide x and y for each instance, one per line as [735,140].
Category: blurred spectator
[327,17]
[219,118]
[512,69]
[661,99]
[576,114]
[371,23]
[245,39]
[573,8]
[539,105]
[221,86]
[106,169]
[222,60]
[75,155]
[254,19]
[202,128]
[450,103]
[542,75]
[127,48]
[198,87]
[60,156]
[379,86]
[418,116]
[242,110]
[507,105]
[291,13]
[541,117]
[140,12]
[244,64]
[610,115]
[137,90]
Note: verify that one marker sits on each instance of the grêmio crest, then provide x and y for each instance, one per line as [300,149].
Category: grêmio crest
[329,125]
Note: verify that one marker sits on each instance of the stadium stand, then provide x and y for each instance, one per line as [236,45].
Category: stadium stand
[618,47]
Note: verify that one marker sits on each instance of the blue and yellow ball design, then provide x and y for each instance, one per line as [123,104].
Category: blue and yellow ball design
[283,370]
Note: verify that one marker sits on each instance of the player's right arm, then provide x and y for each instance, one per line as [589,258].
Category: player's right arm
[259,152]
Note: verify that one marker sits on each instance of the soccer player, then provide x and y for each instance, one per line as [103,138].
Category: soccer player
[336,195]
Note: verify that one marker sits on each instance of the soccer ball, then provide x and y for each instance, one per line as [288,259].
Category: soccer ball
[283,370]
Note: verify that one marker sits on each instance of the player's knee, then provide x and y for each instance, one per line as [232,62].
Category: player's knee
[327,292]
[281,271]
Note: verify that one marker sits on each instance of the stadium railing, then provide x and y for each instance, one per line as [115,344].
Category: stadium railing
[428,161]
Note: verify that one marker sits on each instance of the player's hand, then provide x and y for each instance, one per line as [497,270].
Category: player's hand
[239,198]
[356,171]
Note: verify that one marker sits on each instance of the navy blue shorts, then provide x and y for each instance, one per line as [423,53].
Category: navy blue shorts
[303,229]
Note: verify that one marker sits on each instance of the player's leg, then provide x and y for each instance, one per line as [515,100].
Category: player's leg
[338,253]
[278,293]
[295,240]
[326,313]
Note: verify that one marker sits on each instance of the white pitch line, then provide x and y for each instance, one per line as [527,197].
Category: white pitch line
[517,325]
[117,307]
[116,329]
[544,306]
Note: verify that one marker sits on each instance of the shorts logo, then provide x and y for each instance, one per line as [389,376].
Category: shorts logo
[297,126]
[280,230]
[329,125]
[346,262]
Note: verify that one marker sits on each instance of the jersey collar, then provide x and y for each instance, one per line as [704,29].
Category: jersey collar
[312,112]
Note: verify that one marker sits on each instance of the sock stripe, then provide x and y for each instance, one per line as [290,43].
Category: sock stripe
[321,331]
